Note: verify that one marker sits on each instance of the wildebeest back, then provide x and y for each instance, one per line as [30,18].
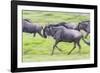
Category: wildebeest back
[30,28]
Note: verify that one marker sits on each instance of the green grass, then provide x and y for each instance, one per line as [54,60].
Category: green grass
[54,17]
[39,49]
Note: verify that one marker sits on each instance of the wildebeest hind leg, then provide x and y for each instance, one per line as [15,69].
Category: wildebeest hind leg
[54,47]
[59,49]
[72,48]
[79,47]
[40,34]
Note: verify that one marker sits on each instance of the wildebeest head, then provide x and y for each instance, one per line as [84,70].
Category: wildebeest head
[48,31]
[80,26]
[83,25]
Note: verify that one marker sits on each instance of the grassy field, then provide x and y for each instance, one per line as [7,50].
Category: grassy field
[39,49]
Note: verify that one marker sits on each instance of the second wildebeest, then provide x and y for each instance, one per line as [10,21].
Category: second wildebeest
[62,34]
[84,25]
[66,25]
[29,27]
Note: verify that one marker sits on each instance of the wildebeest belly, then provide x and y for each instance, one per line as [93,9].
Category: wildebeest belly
[71,35]
[68,38]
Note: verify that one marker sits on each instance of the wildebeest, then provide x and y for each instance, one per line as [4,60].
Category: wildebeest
[29,27]
[62,34]
[84,25]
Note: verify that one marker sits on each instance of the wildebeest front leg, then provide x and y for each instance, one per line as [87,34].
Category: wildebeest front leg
[34,34]
[79,47]
[40,34]
[54,47]
[72,48]
[86,35]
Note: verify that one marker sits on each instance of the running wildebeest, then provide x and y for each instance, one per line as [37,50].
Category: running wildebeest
[76,27]
[29,27]
[62,34]
[84,25]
